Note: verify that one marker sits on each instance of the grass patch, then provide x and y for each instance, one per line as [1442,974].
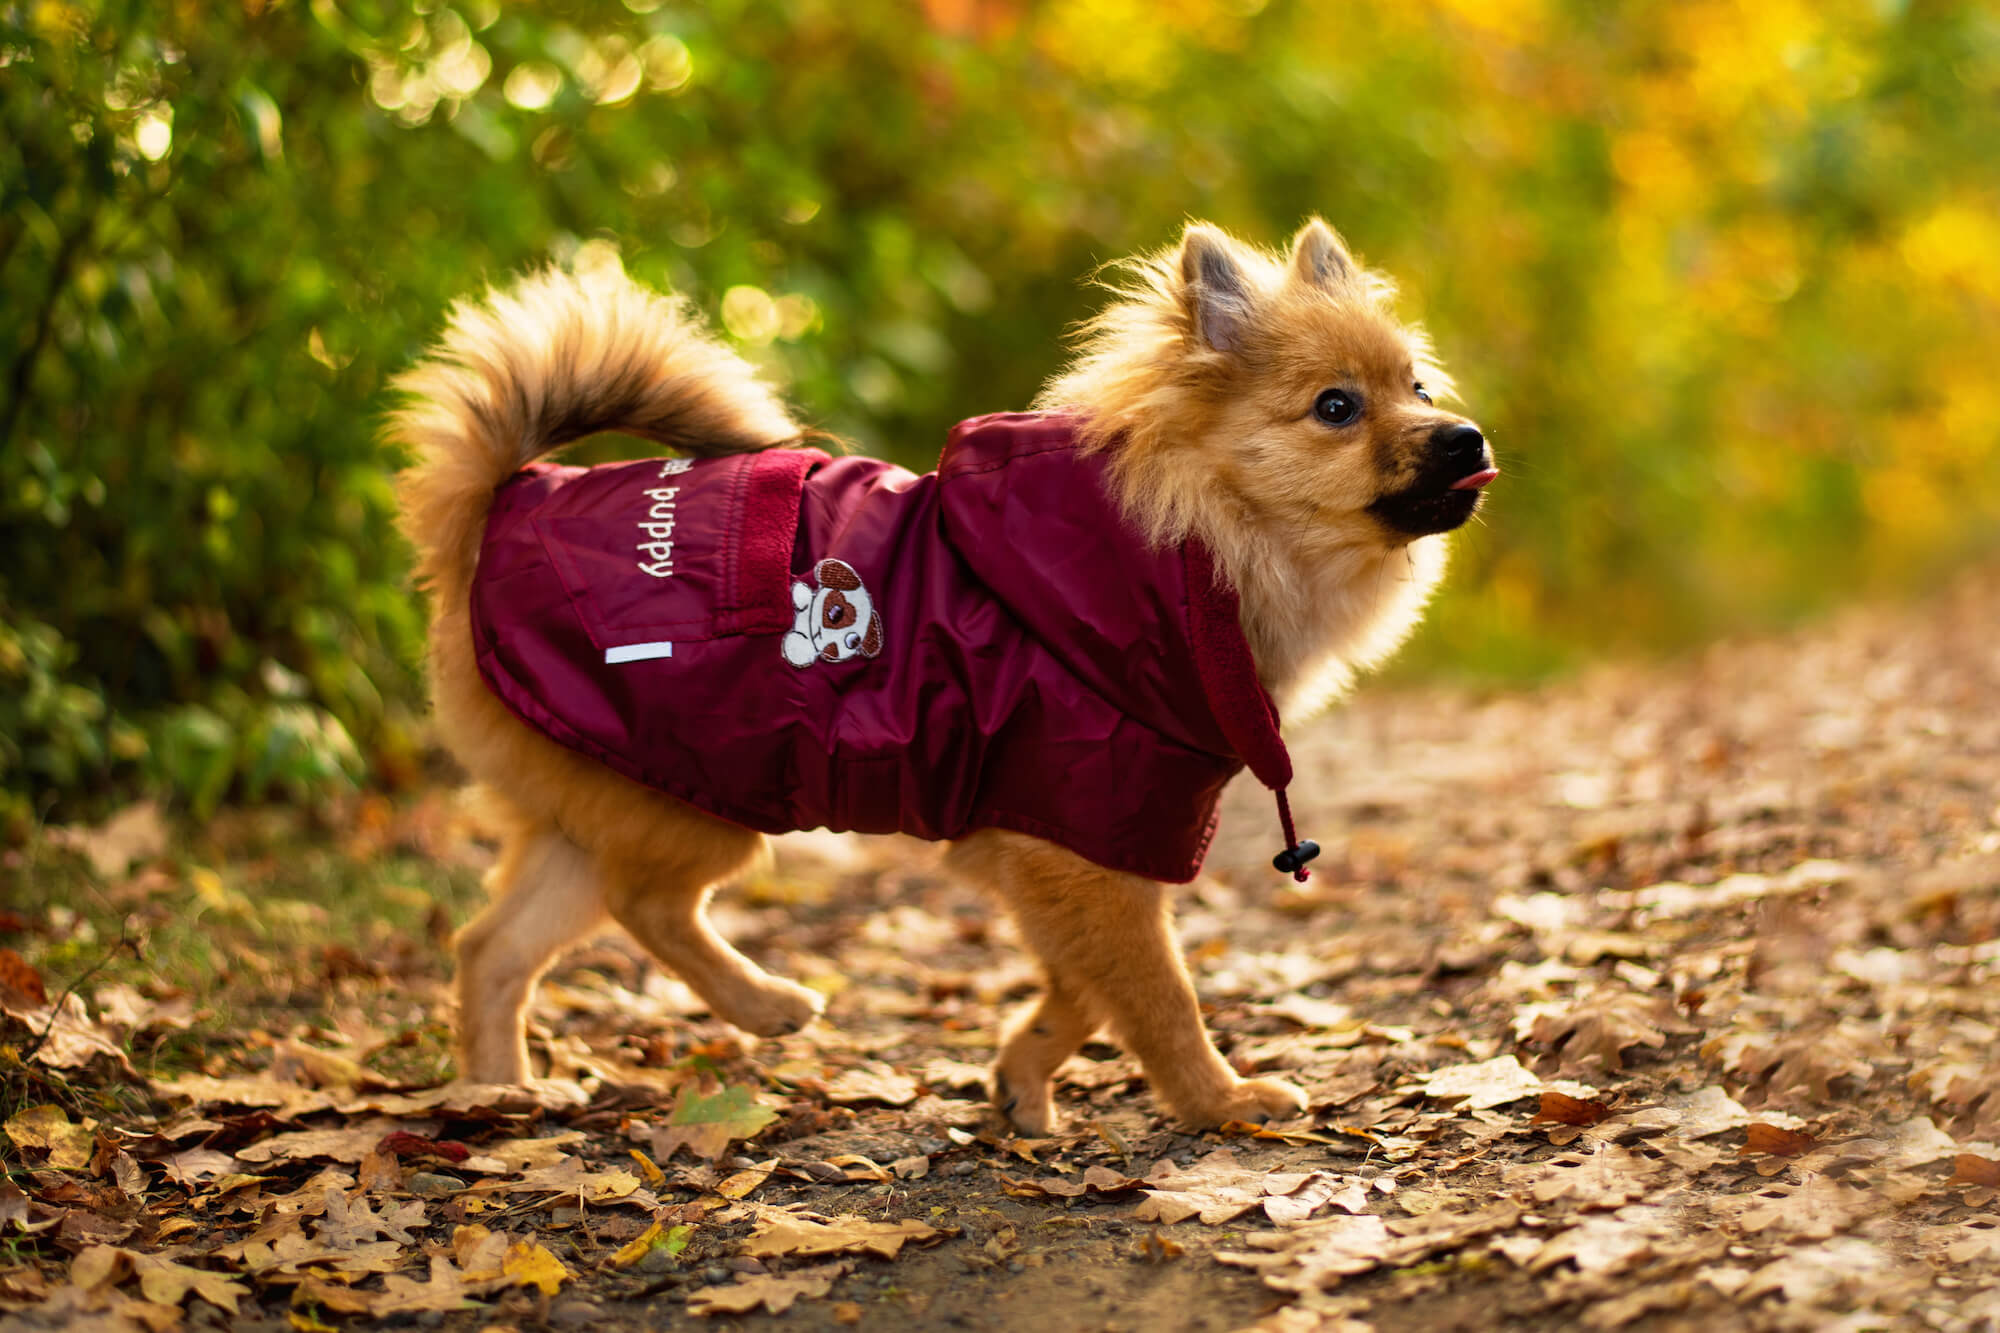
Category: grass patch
[249,928]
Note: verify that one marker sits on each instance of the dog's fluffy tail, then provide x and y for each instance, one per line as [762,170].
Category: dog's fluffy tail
[553,359]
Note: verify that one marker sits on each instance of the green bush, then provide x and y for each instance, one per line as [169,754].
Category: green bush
[1720,279]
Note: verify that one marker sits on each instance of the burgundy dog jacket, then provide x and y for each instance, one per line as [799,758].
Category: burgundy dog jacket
[793,641]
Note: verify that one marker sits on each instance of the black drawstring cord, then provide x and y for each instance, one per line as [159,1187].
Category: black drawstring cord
[1293,859]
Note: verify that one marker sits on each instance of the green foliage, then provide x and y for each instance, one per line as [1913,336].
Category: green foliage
[1719,278]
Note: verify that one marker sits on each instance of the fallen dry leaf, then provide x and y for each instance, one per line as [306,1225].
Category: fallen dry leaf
[65,1036]
[705,1124]
[872,1083]
[528,1264]
[1604,1179]
[1484,1085]
[1562,1109]
[70,1147]
[350,1221]
[1215,1189]
[1970,1169]
[1766,1138]
[1094,1180]
[775,1294]
[136,833]
[20,982]
[779,1232]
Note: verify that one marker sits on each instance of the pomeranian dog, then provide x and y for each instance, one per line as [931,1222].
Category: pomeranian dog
[1052,651]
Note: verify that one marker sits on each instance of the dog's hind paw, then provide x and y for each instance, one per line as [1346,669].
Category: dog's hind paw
[1255,1100]
[1030,1110]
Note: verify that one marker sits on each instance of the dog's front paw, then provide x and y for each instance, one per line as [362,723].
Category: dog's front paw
[1254,1099]
[778,1007]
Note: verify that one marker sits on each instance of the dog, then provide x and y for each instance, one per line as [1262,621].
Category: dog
[1052,651]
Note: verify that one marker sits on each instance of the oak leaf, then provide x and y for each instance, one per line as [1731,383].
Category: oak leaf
[70,1146]
[705,1124]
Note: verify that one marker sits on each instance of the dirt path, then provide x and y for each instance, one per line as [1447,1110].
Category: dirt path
[1664,998]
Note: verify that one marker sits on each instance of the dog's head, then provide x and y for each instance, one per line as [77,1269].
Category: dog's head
[1282,384]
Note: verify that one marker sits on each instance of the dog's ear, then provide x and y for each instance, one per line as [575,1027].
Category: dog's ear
[1319,258]
[833,573]
[871,642]
[1214,288]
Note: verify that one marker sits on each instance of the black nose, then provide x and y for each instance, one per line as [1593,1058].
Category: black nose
[1460,443]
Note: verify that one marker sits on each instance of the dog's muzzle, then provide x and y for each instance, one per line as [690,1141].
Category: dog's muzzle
[1457,466]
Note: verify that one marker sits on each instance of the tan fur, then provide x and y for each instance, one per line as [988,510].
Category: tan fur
[1201,378]
[1221,446]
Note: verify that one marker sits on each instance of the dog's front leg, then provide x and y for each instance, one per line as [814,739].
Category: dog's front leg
[1106,942]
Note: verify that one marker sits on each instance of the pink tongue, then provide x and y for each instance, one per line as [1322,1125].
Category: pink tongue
[1476,480]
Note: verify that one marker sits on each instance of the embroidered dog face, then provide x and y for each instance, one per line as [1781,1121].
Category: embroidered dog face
[834,621]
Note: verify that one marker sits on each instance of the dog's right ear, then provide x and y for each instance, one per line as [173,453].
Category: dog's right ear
[1213,288]
[1319,258]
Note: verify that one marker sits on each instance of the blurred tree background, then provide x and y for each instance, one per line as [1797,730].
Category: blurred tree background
[1721,279]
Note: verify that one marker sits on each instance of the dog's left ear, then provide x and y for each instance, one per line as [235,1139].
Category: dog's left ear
[839,574]
[871,642]
[1319,259]
[1213,288]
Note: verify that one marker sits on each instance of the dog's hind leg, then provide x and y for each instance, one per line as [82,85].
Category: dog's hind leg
[546,896]
[661,893]
[1107,940]
[1035,1043]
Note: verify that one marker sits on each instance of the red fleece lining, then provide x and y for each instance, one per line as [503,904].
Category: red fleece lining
[764,545]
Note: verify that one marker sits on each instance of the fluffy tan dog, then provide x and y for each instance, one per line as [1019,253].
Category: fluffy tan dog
[1269,406]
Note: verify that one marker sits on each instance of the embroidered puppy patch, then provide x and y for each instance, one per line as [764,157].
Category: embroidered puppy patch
[834,621]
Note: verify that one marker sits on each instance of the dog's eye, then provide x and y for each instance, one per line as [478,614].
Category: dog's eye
[1422,392]
[1337,407]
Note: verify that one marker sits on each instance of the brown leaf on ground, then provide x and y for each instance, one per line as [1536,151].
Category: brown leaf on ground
[779,1232]
[405,1145]
[444,1290]
[776,1294]
[872,1083]
[1562,1109]
[1784,1070]
[1970,1169]
[1818,1208]
[22,1214]
[347,1143]
[1604,1243]
[1604,1179]
[1593,1032]
[136,833]
[1217,1189]
[1765,1138]
[572,1177]
[162,1281]
[1976,1240]
[125,1008]
[1101,1180]
[20,983]
[69,1146]
[64,1036]
[1484,1085]
[350,1221]
[1319,1255]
